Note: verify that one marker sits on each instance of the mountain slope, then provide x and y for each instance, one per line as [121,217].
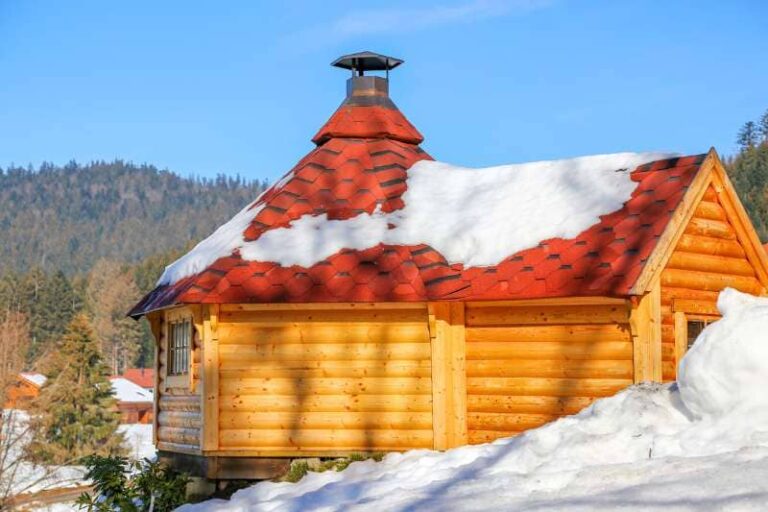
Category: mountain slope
[68,217]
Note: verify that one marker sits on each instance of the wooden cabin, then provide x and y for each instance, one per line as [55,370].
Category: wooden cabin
[134,403]
[26,388]
[393,347]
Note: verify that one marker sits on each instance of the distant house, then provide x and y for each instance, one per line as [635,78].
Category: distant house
[24,390]
[144,377]
[375,300]
[134,402]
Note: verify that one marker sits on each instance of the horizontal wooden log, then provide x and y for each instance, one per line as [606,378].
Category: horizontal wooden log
[695,307]
[325,369]
[708,263]
[527,386]
[179,403]
[551,405]
[507,422]
[668,372]
[710,210]
[555,301]
[325,420]
[363,439]
[559,315]
[302,387]
[179,419]
[667,351]
[668,332]
[709,245]
[185,436]
[709,281]
[315,332]
[616,350]
[710,195]
[712,228]
[325,306]
[570,333]
[325,352]
[668,294]
[282,317]
[328,403]
[559,368]
[192,449]
[487,436]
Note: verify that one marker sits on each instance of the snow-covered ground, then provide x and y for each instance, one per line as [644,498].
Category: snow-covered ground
[30,478]
[138,439]
[698,444]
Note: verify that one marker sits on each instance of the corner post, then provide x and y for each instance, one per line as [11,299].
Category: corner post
[210,389]
[645,324]
[156,326]
[449,375]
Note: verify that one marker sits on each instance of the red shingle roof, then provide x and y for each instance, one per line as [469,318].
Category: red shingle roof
[144,377]
[360,163]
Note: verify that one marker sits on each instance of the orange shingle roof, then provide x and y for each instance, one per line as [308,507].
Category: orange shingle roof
[359,165]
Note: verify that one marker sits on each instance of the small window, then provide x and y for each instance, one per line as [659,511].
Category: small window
[180,338]
[694,329]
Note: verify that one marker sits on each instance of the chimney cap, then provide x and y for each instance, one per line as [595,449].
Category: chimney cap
[366,61]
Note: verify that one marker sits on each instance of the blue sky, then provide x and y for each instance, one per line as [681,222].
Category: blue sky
[241,86]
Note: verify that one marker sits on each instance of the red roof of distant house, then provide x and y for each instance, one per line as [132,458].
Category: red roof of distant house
[144,377]
[360,165]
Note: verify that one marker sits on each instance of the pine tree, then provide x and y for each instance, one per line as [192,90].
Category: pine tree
[111,291]
[763,127]
[75,414]
[747,137]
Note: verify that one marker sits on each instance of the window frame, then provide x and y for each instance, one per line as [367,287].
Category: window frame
[178,380]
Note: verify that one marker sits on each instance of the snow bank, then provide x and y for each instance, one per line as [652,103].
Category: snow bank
[476,217]
[138,440]
[670,445]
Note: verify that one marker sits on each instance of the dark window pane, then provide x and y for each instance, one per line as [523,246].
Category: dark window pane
[694,329]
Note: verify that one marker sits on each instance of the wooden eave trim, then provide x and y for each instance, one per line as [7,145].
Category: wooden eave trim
[676,226]
[556,301]
[313,306]
[738,217]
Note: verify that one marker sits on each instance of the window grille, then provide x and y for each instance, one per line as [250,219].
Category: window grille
[180,339]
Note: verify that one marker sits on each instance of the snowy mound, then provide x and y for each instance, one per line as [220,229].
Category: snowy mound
[477,217]
[727,368]
[699,444]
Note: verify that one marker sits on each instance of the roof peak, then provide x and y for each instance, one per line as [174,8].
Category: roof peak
[367,112]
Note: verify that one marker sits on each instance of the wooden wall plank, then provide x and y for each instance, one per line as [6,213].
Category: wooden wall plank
[645,324]
[210,393]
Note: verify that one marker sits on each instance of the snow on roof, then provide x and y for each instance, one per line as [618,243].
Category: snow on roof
[475,217]
[126,391]
[648,447]
[388,242]
[38,379]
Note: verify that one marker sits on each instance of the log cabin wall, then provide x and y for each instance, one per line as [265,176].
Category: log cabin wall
[528,363]
[177,415]
[323,379]
[709,257]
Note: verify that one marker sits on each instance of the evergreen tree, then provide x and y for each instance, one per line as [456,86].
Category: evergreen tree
[75,414]
[763,127]
[747,137]
[749,172]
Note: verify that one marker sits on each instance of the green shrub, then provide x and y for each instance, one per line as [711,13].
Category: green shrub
[140,486]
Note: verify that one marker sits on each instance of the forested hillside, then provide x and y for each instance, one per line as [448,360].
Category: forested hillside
[94,239]
[66,218]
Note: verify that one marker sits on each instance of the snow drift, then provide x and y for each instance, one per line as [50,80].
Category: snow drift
[476,217]
[700,443]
